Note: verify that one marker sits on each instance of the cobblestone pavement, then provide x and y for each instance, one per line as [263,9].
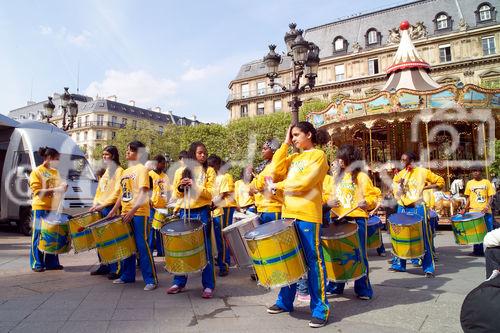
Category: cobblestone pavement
[73,301]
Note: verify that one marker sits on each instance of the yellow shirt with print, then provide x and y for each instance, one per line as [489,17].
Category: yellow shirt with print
[266,201]
[161,187]
[415,181]
[327,188]
[428,197]
[302,186]
[132,180]
[479,192]
[202,189]
[242,194]
[224,184]
[350,193]
[108,188]
[43,178]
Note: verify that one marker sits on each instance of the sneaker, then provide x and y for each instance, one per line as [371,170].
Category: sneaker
[333,291]
[118,281]
[383,254]
[304,298]
[417,263]
[253,277]
[396,270]
[113,276]
[55,268]
[207,293]
[365,298]
[316,322]
[275,309]
[223,273]
[150,287]
[101,270]
[429,275]
[175,289]
[38,269]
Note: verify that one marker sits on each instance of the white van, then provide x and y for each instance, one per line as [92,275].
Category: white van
[19,144]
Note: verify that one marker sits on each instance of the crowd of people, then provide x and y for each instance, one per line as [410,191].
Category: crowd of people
[294,181]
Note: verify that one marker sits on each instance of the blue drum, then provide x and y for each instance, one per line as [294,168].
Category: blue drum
[374,237]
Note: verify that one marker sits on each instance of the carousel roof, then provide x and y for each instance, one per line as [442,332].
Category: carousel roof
[408,70]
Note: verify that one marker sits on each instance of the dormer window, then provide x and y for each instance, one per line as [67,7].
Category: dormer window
[339,44]
[373,37]
[485,13]
[442,22]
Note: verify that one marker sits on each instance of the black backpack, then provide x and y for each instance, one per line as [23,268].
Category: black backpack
[481,308]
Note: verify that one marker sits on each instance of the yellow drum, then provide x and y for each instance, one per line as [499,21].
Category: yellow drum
[184,245]
[343,258]
[406,235]
[469,228]
[114,239]
[82,238]
[54,235]
[275,251]
[162,216]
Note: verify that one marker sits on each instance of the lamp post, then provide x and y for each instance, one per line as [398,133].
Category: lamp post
[69,107]
[305,63]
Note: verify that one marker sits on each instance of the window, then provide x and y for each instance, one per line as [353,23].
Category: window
[79,122]
[445,53]
[442,22]
[277,105]
[339,72]
[245,92]
[98,135]
[373,66]
[261,88]
[277,88]
[484,13]
[113,135]
[85,135]
[100,120]
[114,120]
[339,44]
[87,121]
[372,37]
[244,111]
[124,121]
[488,45]
[134,124]
[260,109]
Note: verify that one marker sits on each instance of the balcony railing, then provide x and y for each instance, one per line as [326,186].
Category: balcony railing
[99,124]
[254,93]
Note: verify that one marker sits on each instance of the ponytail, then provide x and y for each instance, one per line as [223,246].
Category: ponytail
[48,152]
[318,137]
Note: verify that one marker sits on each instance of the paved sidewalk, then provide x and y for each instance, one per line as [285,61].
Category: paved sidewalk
[73,301]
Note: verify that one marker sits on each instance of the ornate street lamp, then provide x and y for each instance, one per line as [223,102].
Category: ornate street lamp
[305,62]
[69,107]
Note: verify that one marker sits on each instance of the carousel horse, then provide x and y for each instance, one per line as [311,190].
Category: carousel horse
[446,204]
[455,188]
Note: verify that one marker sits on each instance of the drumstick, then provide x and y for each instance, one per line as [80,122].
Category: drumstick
[347,213]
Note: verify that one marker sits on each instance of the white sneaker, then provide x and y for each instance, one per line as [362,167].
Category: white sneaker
[150,287]
[118,281]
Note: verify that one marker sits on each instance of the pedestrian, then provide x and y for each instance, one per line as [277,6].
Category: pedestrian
[160,195]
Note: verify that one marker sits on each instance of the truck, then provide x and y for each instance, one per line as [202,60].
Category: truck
[19,144]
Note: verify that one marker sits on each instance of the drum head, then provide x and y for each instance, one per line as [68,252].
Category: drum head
[179,227]
[268,229]
[374,220]
[54,218]
[240,223]
[467,217]
[77,216]
[337,231]
[240,216]
[105,221]
[404,219]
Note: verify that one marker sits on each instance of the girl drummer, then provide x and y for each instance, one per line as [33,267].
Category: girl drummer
[106,195]
[303,175]
[354,194]
[193,184]
[48,189]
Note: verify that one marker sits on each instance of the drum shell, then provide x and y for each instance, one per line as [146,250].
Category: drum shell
[114,240]
[83,240]
[343,258]
[277,258]
[234,238]
[54,237]
[184,252]
[469,232]
[161,217]
[374,236]
[407,239]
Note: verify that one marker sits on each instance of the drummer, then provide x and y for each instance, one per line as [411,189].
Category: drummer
[408,186]
[244,199]
[430,202]
[373,212]
[353,188]
[480,193]
[159,198]
[224,207]
[47,189]
[198,180]
[268,203]
[134,203]
[300,176]
[106,195]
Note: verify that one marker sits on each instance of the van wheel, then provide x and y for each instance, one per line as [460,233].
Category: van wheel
[25,221]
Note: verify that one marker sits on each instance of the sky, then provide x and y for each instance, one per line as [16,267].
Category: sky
[179,55]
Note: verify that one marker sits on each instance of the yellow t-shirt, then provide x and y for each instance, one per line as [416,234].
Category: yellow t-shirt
[224,184]
[479,192]
[266,201]
[350,194]
[40,179]
[415,181]
[327,188]
[242,194]
[131,182]
[302,186]
[161,187]
[108,188]
[428,196]
[201,191]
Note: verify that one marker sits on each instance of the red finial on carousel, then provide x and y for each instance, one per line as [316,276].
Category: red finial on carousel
[404,25]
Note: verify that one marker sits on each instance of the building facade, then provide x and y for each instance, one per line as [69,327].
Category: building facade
[459,39]
[99,120]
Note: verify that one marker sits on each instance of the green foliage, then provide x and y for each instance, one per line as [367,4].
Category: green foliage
[495,166]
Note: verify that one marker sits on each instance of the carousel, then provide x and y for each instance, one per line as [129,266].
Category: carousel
[447,126]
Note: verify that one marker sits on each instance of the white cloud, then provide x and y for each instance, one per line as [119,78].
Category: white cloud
[45,30]
[81,39]
[139,86]
[198,74]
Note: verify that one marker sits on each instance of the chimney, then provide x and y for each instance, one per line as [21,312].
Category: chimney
[194,117]
[112,98]
[131,102]
[157,109]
